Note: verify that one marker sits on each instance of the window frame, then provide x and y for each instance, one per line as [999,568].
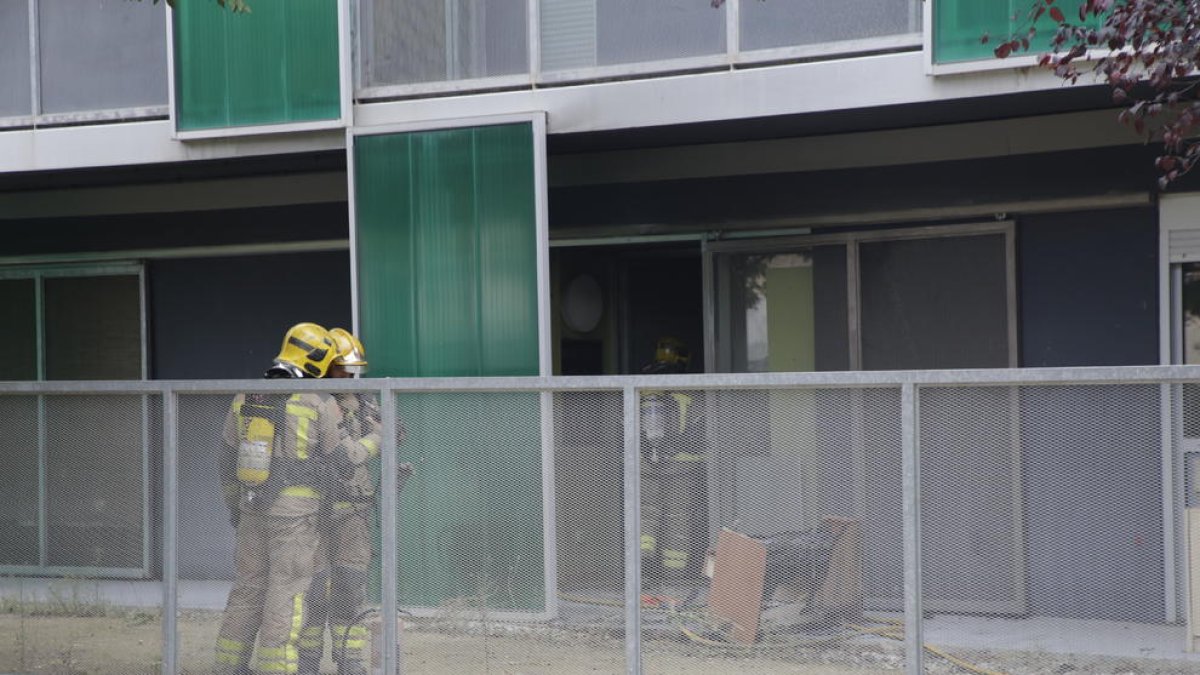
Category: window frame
[39,274]
[852,240]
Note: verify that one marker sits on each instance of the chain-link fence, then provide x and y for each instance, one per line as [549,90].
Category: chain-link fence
[834,524]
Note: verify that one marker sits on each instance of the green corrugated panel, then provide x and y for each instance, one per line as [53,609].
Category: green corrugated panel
[447,251]
[470,516]
[447,273]
[959,26]
[277,64]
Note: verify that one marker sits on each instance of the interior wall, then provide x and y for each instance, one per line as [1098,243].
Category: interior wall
[224,318]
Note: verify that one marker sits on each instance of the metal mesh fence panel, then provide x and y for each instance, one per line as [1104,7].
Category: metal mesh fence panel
[438,41]
[589,493]
[78,513]
[802,22]
[1042,525]
[278,561]
[1056,525]
[470,540]
[587,33]
[771,522]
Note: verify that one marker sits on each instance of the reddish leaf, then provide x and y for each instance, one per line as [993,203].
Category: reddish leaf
[1057,15]
[983,39]
[1003,51]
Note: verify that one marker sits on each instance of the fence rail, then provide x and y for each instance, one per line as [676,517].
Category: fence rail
[1004,520]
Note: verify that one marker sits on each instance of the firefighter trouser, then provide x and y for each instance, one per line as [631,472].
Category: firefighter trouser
[672,503]
[339,589]
[274,569]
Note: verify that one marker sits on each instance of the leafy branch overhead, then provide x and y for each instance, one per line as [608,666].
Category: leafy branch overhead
[1147,51]
[231,5]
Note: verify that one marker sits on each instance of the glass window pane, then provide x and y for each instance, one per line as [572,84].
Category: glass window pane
[14,58]
[440,40]
[93,328]
[772,24]
[586,33]
[788,311]
[101,54]
[18,315]
[935,303]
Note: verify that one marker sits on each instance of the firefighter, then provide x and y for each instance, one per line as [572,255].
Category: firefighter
[272,471]
[340,583]
[672,469]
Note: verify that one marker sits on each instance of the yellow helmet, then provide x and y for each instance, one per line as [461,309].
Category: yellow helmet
[671,351]
[350,352]
[307,351]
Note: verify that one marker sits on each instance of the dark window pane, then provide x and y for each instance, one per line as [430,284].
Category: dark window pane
[935,303]
[93,328]
[18,315]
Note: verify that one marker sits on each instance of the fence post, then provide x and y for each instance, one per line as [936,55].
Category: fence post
[387,530]
[914,653]
[170,499]
[633,535]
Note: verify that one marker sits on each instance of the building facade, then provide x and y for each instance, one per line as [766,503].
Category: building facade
[546,187]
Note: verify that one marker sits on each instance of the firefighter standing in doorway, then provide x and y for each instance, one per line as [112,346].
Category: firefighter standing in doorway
[340,582]
[277,448]
[672,468]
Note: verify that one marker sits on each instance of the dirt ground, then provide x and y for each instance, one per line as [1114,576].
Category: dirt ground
[131,644]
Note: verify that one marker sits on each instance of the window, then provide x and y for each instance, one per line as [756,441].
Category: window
[871,301]
[77,498]
[91,56]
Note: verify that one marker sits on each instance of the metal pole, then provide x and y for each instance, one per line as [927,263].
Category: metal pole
[633,536]
[388,532]
[170,497]
[910,452]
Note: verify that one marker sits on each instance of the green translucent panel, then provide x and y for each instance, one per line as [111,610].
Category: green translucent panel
[470,516]
[277,64]
[447,286]
[959,26]
[447,252]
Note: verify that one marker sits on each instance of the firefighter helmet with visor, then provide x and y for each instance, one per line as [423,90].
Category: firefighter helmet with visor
[307,351]
[350,352]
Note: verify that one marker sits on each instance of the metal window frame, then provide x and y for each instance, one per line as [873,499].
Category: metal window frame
[852,240]
[345,117]
[39,275]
